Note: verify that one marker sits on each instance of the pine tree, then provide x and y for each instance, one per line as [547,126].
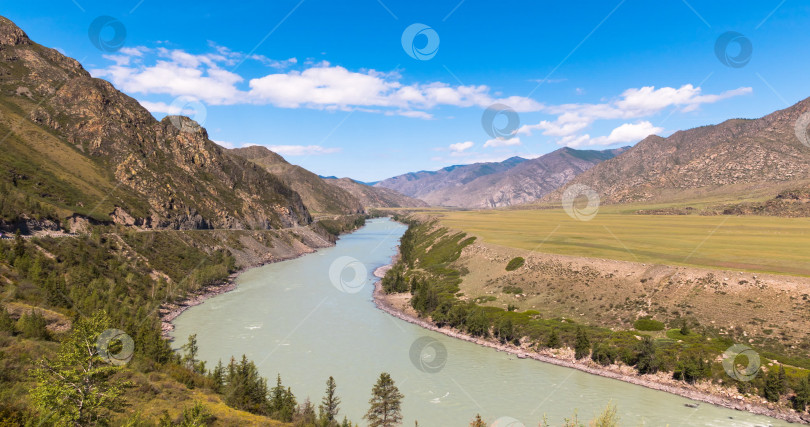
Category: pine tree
[305,415]
[386,403]
[505,330]
[802,398]
[478,422]
[647,361]
[33,325]
[78,386]
[328,410]
[685,328]
[218,377]
[553,340]
[191,350]
[6,322]
[771,391]
[244,388]
[782,380]
[582,346]
[282,402]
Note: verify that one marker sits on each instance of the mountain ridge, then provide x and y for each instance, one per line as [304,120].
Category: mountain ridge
[497,184]
[76,146]
[738,157]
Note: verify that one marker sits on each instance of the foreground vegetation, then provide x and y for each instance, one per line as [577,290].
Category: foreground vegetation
[58,295]
[690,352]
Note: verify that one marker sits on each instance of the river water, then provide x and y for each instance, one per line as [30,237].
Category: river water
[313,317]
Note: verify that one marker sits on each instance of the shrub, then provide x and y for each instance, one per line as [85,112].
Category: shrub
[512,290]
[32,325]
[603,354]
[647,324]
[515,263]
[6,322]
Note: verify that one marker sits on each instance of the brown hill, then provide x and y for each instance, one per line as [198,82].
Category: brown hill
[734,159]
[76,147]
[376,197]
[318,195]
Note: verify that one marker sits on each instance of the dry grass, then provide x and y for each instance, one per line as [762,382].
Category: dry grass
[748,243]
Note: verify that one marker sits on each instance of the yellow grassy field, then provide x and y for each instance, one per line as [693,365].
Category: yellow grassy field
[751,243]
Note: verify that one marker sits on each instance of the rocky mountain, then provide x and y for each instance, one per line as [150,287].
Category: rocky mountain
[376,197]
[489,185]
[739,158]
[421,184]
[318,195]
[76,149]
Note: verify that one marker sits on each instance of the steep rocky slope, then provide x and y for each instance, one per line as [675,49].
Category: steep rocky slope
[376,197]
[736,158]
[318,195]
[74,146]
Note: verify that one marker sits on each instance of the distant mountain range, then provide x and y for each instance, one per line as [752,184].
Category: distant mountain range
[739,158]
[487,185]
[326,195]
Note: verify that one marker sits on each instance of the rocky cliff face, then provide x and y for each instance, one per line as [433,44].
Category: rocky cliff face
[736,157]
[490,185]
[318,195]
[376,197]
[166,174]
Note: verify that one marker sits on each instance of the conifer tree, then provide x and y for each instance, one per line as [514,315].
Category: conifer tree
[328,409]
[386,403]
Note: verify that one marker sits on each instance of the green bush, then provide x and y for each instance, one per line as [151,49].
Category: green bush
[32,325]
[515,263]
[647,324]
[512,290]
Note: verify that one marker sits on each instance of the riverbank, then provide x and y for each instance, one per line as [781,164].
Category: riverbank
[398,306]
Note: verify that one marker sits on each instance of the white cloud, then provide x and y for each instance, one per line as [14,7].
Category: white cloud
[159,107]
[502,142]
[461,146]
[628,132]
[302,150]
[633,103]
[416,114]
[225,144]
[274,63]
[320,85]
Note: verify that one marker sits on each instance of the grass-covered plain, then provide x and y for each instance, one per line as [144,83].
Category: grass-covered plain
[751,243]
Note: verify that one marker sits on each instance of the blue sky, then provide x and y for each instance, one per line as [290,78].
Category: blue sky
[330,86]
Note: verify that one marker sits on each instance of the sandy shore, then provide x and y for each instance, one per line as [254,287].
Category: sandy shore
[397,306]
